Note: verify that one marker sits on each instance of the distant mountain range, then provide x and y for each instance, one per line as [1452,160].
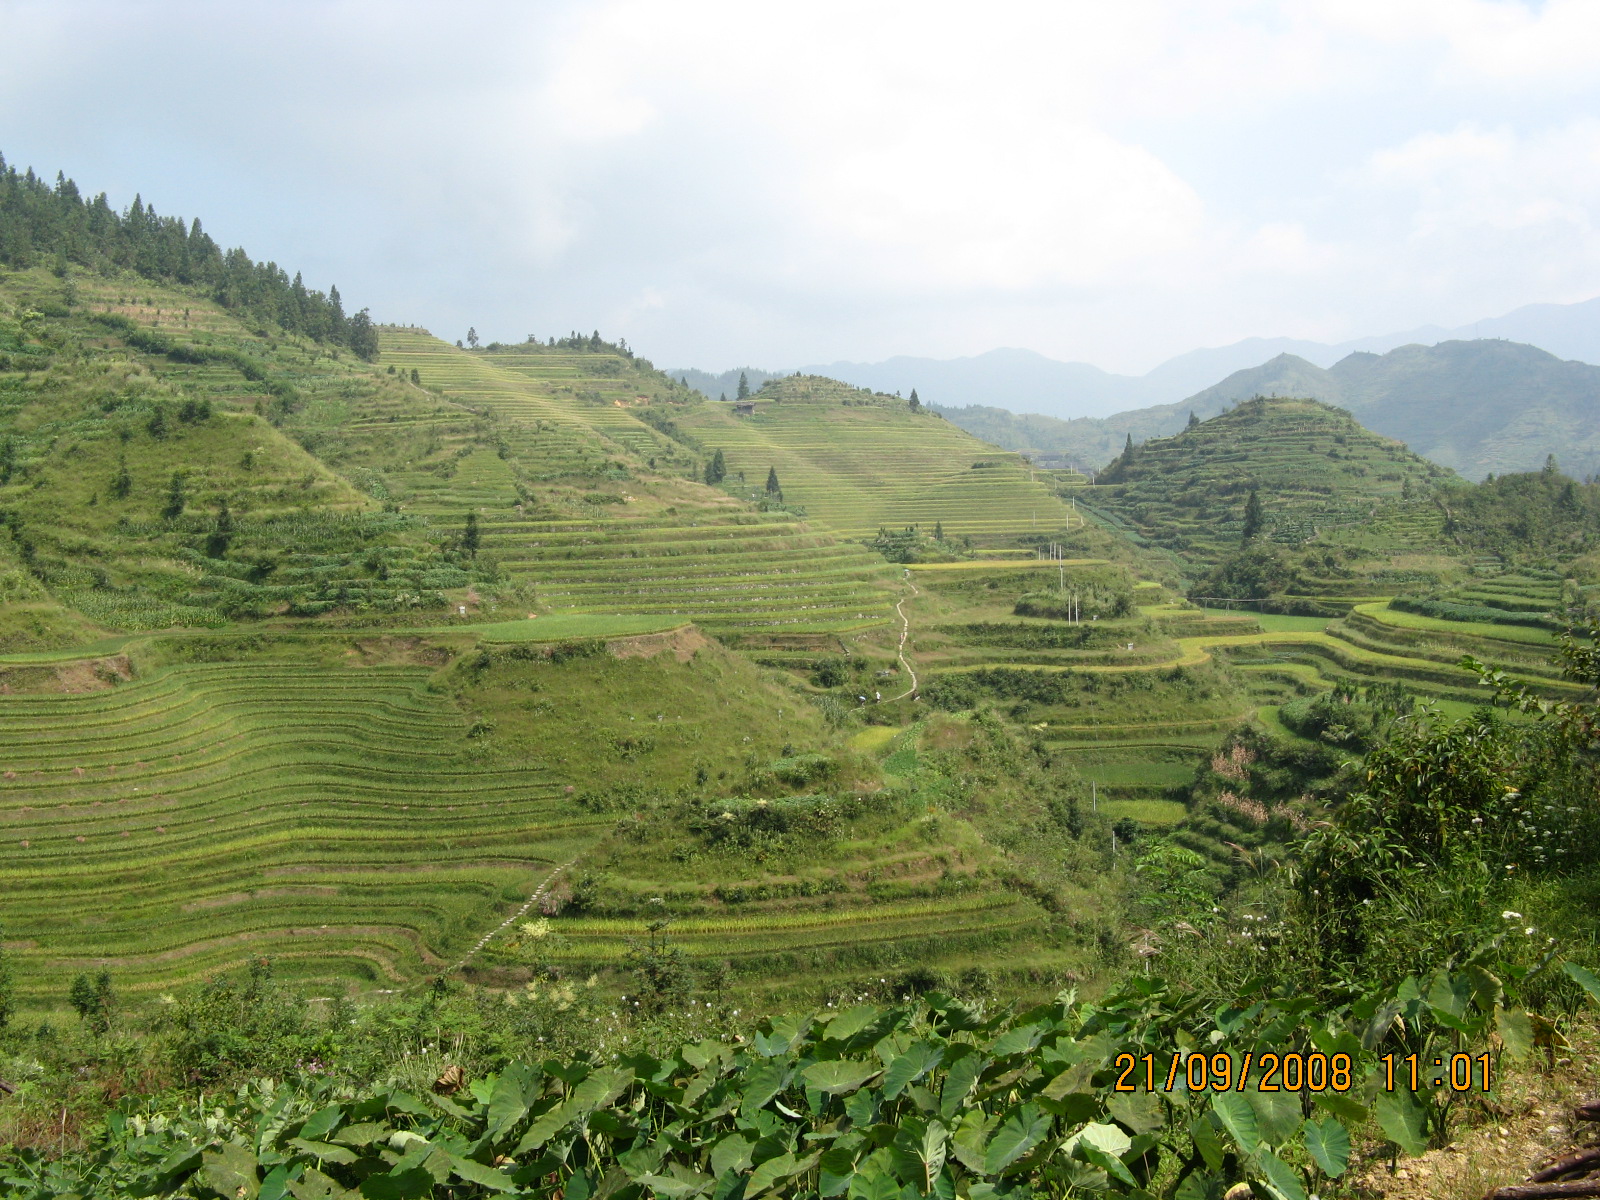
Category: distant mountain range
[1480,407]
[1027,382]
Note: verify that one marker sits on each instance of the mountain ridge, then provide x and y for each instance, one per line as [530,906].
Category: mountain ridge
[1022,380]
[1480,407]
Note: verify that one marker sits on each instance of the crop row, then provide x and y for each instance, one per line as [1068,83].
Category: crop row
[179,822]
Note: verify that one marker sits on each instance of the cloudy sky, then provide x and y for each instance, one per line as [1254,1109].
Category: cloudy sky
[726,182]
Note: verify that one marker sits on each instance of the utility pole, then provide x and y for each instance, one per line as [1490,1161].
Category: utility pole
[1094,797]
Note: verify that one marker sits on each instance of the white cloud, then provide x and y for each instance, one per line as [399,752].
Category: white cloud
[1553,44]
[1475,179]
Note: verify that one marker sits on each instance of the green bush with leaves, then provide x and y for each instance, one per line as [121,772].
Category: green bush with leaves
[926,1098]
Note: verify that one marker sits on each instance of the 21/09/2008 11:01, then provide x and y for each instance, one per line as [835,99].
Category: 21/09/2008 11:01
[1294,1072]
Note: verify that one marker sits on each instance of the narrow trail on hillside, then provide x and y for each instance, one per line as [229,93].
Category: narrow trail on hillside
[538,894]
[905,632]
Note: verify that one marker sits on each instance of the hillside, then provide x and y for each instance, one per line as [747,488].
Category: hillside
[1478,407]
[857,461]
[1314,468]
[237,558]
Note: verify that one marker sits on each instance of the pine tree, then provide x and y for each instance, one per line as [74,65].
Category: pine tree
[916,405]
[176,497]
[717,468]
[723,397]
[938,526]
[363,339]
[122,482]
[772,481]
[8,459]
[470,536]
[1127,449]
[744,386]
[1193,420]
[156,426]
[93,1000]
[416,376]
[221,533]
[1252,517]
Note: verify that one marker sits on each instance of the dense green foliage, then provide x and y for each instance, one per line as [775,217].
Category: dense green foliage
[1538,513]
[935,1097]
[1253,572]
[1447,610]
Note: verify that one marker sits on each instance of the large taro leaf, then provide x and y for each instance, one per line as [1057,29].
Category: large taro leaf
[776,1170]
[414,1183]
[228,1171]
[1342,1105]
[1328,1143]
[321,1123]
[1200,1185]
[1283,1178]
[1203,1131]
[1403,1121]
[732,1153]
[1103,1146]
[314,1185]
[1515,1030]
[907,1068]
[513,1091]
[1277,1114]
[1139,1111]
[1238,1118]
[1584,978]
[1022,1129]
[959,1081]
[850,1022]
[1018,1040]
[918,1154]
[840,1076]
[969,1141]
[484,1176]
[836,1168]
[764,1081]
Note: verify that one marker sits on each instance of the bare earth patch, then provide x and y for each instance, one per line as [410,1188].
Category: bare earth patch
[1533,1127]
[682,642]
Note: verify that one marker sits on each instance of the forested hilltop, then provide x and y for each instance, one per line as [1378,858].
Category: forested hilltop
[501,769]
[58,228]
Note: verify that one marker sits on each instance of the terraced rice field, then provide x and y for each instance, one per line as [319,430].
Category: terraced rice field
[724,569]
[989,914]
[704,557]
[868,464]
[332,818]
[1317,472]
